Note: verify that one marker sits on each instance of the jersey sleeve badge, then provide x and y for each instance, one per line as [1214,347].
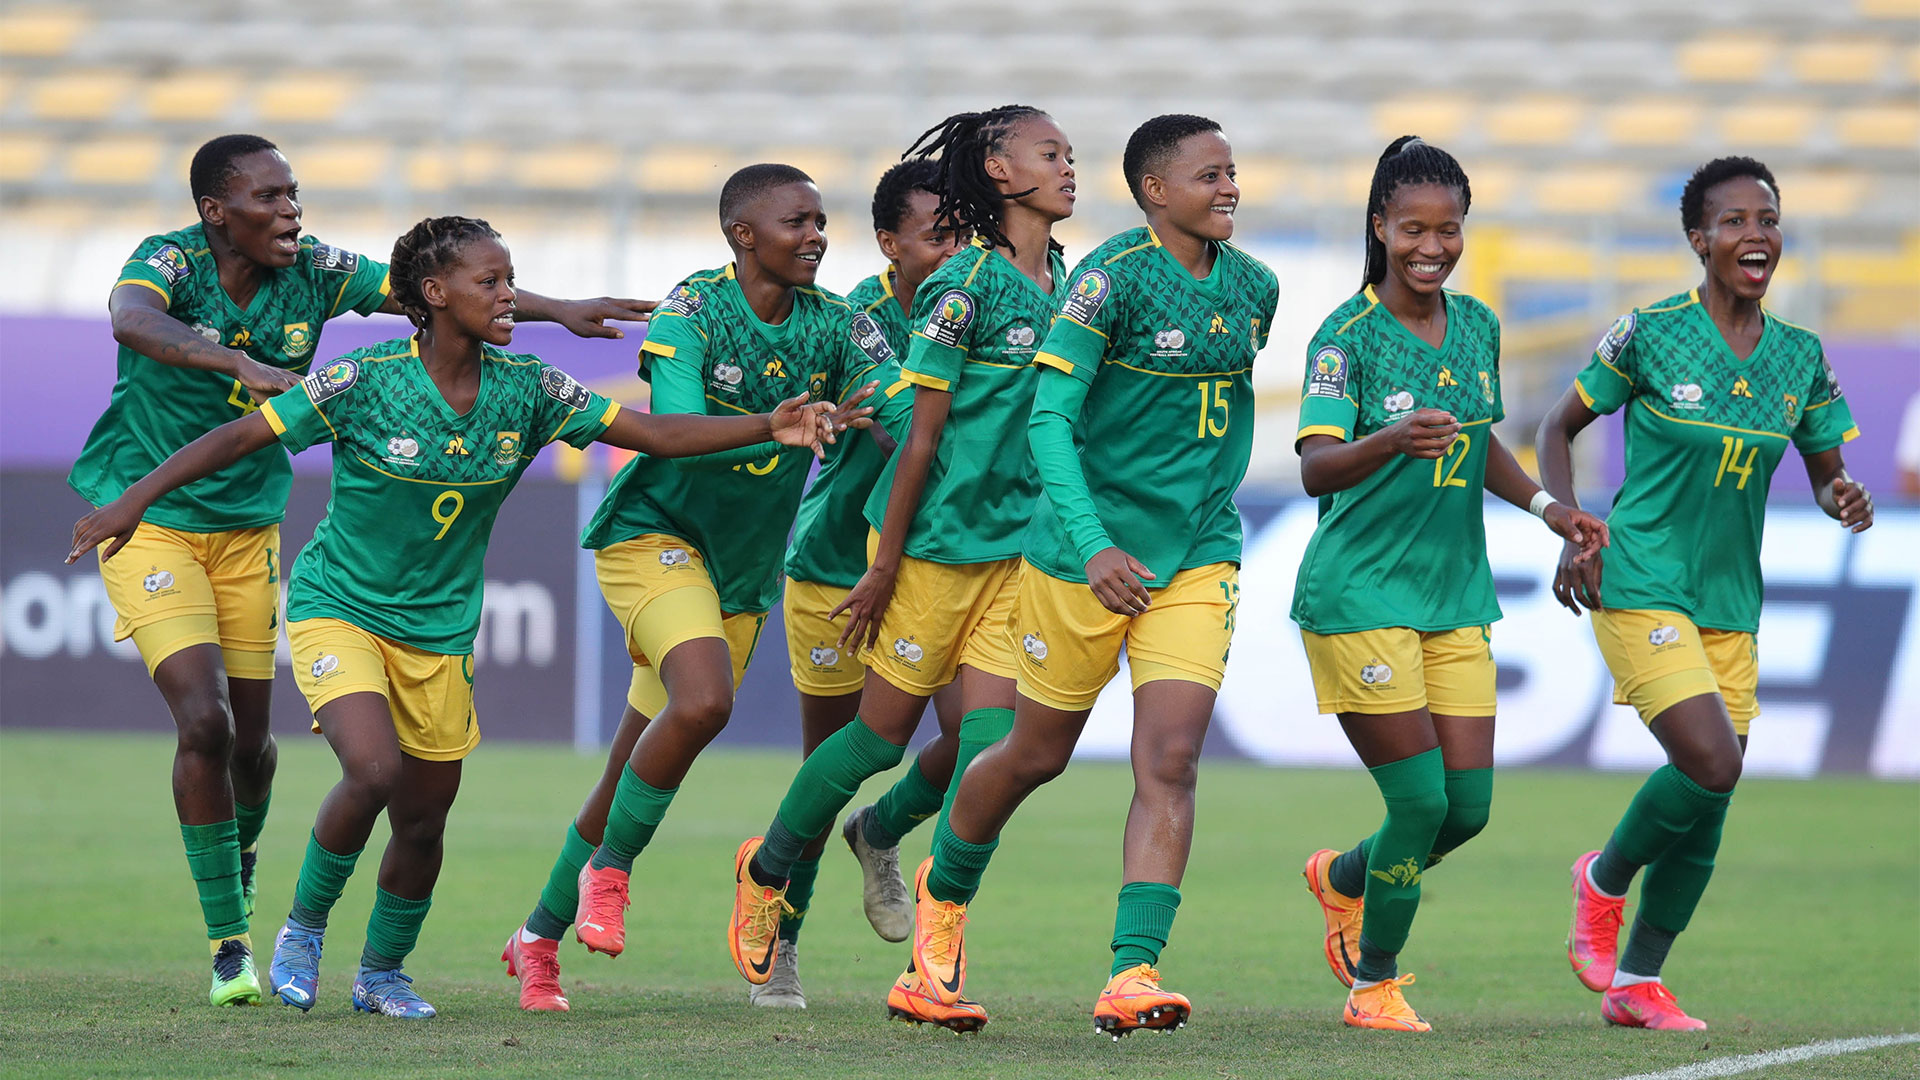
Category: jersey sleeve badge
[1088,295]
[1615,342]
[338,260]
[564,388]
[172,264]
[331,381]
[1327,373]
[870,339]
[683,300]
[952,314]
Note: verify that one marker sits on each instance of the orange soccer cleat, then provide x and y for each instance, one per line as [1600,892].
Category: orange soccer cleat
[1593,944]
[753,932]
[1647,1005]
[1342,914]
[939,948]
[910,1001]
[1133,1000]
[1382,1005]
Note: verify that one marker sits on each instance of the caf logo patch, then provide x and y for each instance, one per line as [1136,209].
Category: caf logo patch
[564,388]
[172,264]
[328,257]
[331,381]
[683,300]
[1088,296]
[1615,341]
[870,339]
[952,314]
[1327,373]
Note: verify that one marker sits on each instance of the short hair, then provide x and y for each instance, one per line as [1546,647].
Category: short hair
[1153,144]
[748,184]
[427,249]
[969,200]
[896,185]
[213,164]
[1693,198]
[1407,161]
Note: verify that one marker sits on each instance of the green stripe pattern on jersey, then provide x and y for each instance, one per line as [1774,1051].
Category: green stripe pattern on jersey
[156,409]
[1407,546]
[1704,432]
[417,486]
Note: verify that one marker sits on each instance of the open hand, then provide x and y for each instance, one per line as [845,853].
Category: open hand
[796,422]
[849,413]
[588,318]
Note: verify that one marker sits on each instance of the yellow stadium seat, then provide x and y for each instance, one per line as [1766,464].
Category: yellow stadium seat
[122,160]
[565,168]
[1652,122]
[79,95]
[428,170]
[1823,194]
[1890,9]
[1885,127]
[1540,122]
[1779,123]
[1493,185]
[1584,191]
[191,95]
[1263,179]
[309,98]
[685,170]
[352,164]
[22,157]
[1726,59]
[40,31]
[1435,118]
[1841,61]
[1913,64]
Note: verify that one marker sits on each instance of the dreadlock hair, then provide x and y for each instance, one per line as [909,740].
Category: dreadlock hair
[1153,144]
[1693,198]
[213,164]
[896,184]
[751,182]
[428,249]
[1407,161]
[969,201]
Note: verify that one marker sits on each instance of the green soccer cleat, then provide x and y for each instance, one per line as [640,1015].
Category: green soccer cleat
[234,980]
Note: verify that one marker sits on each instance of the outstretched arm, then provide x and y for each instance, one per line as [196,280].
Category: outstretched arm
[141,323]
[682,435]
[204,456]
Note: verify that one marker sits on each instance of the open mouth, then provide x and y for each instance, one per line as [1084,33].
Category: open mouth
[811,258]
[1068,190]
[287,243]
[1427,271]
[1755,265]
[1224,208]
[504,319]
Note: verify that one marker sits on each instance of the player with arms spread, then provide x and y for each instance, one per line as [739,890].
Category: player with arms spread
[935,604]
[430,433]
[1395,594]
[1714,388]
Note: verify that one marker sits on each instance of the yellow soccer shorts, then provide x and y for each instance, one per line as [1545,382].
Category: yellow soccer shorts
[1660,658]
[1397,669]
[944,615]
[172,590]
[430,695]
[658,588]
[821,668]
[1070,643]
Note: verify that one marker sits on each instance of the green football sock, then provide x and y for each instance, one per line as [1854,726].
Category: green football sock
[638,808]
[213,855]
[251,819]
[800,895]
[821,789]
[957,864]
[1415,792]
[1469,806]
[392,930]
[1665,809]
[560,900]
[323,877]
[911,800]
[1669,892]
[1142,922]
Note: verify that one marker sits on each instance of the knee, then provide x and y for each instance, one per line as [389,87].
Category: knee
[422,828]
[1039,763]
[371,778]
[1718,773]
[1466,822]
[205,727]
[1425,811]
[704,709]
[1175,768]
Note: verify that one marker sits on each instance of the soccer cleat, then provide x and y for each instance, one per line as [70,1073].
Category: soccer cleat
[1593,944]
[1341,912]
[910,1001]
[782,990]
[389,993]
[1382,1006]
[249,859]
[1133,1000]
[295,972]
[939,951]
[1647,1005]
[234,980]
[536,964]
[600,923]
[883,891]
[753,932]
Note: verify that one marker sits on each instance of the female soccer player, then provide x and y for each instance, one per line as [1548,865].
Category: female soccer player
[1714,388]
[1395,595]
[431,434]
[935,603]
[212,319]
[1135,542]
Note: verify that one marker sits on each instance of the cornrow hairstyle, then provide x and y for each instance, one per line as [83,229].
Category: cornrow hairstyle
[1693,198]
[896,184]
[1407,161]
[213,164]
[969,201]
[428,249]
[751,182]
[1153,144]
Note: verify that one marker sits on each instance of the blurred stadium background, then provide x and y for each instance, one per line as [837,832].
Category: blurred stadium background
[595,134]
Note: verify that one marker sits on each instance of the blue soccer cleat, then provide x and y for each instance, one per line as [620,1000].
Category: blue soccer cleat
[295,973]
[389,993]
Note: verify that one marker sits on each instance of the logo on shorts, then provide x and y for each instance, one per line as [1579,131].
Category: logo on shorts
[1686,395]
[675,557]
[824,656]
[1398,402]
[1663,635]
[157,580]
[1376,674]
[1035,647]
[326,666]
[908,651]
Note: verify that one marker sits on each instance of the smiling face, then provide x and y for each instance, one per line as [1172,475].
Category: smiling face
[1034,156]
[260,209]
[917,247]
[473,295]
[1195,190]
[784,230]
[1740,239]
[1422,228]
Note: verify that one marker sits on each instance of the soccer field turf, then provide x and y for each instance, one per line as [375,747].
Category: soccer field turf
[1811,931]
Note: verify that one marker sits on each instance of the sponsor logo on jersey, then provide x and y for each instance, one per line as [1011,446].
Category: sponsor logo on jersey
[1615,341]
[1741,388]
[1086,298]
[564,388]
[1327,373]
[1486,387]
[299,340]
[328,257]
[1686,395]
[1400,401]
[870,339]
[506,447]
[1171,342]
[952,314]
[823,655]
[728,376]
[1376,674]
[326,666]
[457,447]
[172,264]
[402,450]
[331,381]
[1020,337]
[1792,406]
[1445,378]
[1218,325]
[776,369]
[1663,635]
[1034,646]
[157,579]
[908,651]
[675,557]
[683,300]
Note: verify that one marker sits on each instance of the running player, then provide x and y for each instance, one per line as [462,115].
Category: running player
[1395,596]
[211,320]
[431,434]
[826,559]
[936,601]
[1135,543]
[1714,388]
[689,552]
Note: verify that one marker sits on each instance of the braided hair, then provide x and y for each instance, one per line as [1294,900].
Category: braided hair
[896,185]
[1407,161]
[969,201]
[1693,198]
[1153,144]
[428,249]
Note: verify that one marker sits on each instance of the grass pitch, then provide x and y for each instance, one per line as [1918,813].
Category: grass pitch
[1811,931]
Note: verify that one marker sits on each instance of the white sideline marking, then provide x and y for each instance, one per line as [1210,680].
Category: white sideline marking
[1731,1066]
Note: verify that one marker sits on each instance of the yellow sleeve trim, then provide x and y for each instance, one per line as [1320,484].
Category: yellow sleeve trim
[1322,429]
[927,381]
[168,297]
[897,387]
[1053,360]
[1852,434]
[273,418]
[1585,397]
[657,348]
[613,410]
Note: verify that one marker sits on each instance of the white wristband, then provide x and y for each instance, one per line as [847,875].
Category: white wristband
[1541,500]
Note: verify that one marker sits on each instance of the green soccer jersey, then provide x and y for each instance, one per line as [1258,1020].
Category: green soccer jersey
[979,321]
[416,486]
[1407,546]
[707,352]
[1704,432]
[1164,437]
[157,409]
[830,533]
